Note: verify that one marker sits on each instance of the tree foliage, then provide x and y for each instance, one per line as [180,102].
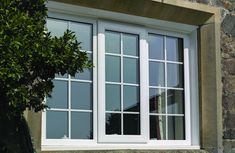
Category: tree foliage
[30,57]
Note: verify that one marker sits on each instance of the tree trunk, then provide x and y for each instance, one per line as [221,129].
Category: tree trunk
[15,135]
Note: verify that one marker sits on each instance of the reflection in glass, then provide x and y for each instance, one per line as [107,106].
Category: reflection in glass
[57,27]
[157,100]
[131,100]
[86,74]
[156,74]
[174,48]
[81,95]
[112,69]
[157,127]
[81,125]
[156,47]
[112,42]
[59,96]
[83,34]
[56,125]
[61,76]
[131,70]
[175,75]
[113,95]
[131,124]
[113,123]
[130,45]
[175,101]
[176,128]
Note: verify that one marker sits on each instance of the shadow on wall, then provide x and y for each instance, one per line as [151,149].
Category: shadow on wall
[13,131]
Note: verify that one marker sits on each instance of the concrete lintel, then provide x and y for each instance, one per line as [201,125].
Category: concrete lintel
[168,10]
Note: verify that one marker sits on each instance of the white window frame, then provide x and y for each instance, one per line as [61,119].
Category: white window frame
[100,141]
[143,59]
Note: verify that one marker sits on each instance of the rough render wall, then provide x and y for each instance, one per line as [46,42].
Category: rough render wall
[228,68]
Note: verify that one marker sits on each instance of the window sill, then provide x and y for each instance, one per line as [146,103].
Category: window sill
[118,147]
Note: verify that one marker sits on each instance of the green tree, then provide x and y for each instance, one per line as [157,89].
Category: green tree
[29,59]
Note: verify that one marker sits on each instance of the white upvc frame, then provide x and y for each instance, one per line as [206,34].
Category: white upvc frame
[102,26]
[186,88]
[53,142]
[93,16]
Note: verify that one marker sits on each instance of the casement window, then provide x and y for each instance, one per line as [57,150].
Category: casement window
[137,95]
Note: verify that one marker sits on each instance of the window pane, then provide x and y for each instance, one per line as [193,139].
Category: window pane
[59,95]
[113,69]
[86,74]
[131,70]
[113,97]
[130,45]
[113,123]
[56,125]
[156,47]
[157,127]
[57,27]
[81,95]
[81,125]
[131,124]
[131,100]
[83,34]
[157,100]
[175,101]
[112,42]
[176,128]
[174,48]
[175,75]
[156,74]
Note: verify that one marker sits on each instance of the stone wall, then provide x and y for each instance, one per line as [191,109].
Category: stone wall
[228,69]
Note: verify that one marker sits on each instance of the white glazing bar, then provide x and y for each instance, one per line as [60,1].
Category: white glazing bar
[78,80]
[119,112]
[122,83]
[160,87]
[165,59]
[69,99]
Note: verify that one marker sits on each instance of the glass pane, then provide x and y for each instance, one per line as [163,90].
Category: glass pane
[157,100]
[156,47]
[157,127]
[130,45]
[81,125]
[175,75]
[112,69]
[131,124]
[113,124]
[57,27]
[81,95]
[113,97]
[175,102]
[59,95]
[176,128]
[131,100]
[83,34]
[112,42]
[131,70]
[86,74]
[174,48]
[156,74]
[56,125]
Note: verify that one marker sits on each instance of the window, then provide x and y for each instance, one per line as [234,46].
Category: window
[136,96]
